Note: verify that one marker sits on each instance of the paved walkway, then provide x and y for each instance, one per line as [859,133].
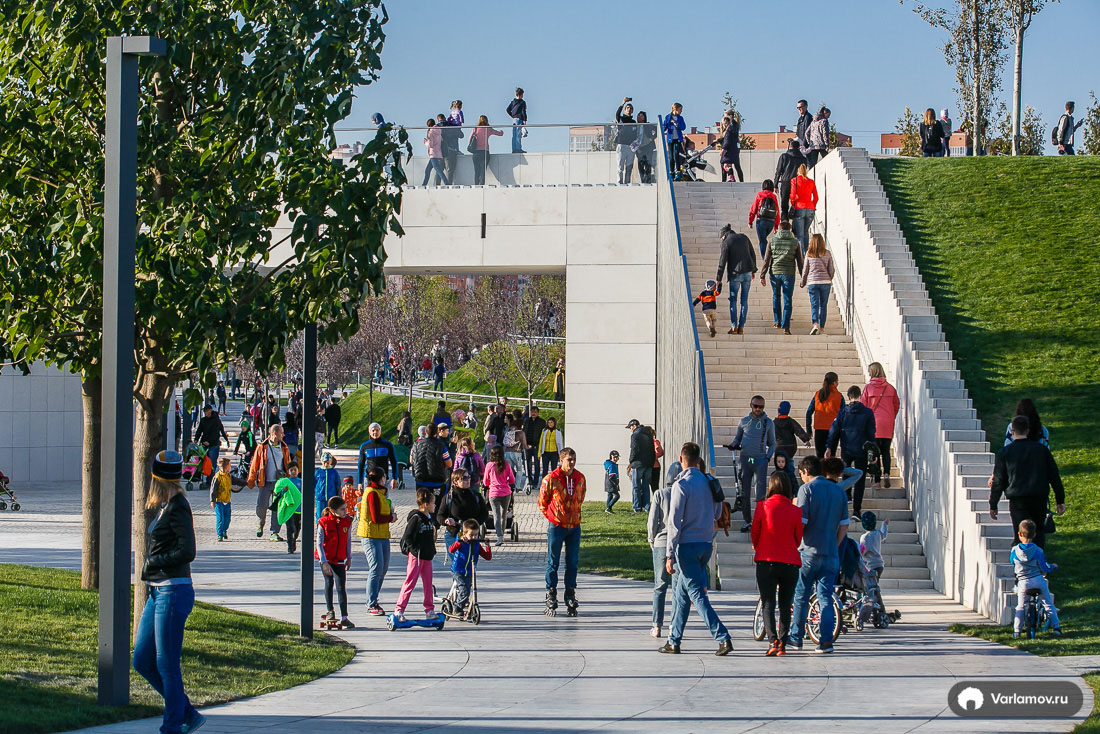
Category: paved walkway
[521,672]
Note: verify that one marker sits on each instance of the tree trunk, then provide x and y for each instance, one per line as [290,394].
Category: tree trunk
[148,440]
[92,400]
[976,116]
[1017,81]
[370,392]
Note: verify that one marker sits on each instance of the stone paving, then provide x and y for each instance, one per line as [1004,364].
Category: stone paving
[522,672]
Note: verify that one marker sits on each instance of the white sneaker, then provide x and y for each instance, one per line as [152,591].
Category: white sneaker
[655,632]
[814,330]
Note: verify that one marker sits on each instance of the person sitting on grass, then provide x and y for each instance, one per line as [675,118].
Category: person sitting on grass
[464,556]
[1030,564]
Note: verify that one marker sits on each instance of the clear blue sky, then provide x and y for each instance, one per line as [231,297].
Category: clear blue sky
[866,59]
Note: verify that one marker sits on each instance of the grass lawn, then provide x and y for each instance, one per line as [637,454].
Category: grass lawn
[49,661]
[1007,249]
[615,545]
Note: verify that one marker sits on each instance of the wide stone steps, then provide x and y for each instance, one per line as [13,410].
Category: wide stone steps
[777,366]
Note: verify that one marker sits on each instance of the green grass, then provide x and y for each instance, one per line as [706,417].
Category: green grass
[465,379]
[1007,248]
[615,545]
[49,663]
[388,409]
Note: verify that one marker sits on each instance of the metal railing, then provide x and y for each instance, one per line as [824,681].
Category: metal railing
[683,410]
[464,397]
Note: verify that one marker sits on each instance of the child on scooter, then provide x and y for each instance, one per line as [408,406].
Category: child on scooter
[464,556]
[1030,564]
[418,542]
[334,553]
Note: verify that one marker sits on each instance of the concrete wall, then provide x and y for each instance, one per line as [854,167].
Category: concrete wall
[604,239]
[940,447]
[41,425]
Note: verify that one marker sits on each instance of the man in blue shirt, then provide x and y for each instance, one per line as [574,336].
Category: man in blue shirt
[825,523]
[691,514]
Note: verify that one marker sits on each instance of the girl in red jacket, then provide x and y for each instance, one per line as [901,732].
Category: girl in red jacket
[334,553]
[776,535]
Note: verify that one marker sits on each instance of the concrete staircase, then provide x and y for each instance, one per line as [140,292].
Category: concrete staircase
[767,362]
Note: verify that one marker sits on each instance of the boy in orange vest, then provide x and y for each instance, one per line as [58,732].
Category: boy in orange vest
[708,297]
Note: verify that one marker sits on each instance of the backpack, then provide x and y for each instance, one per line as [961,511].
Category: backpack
[470,465]
[409,537]
[1055,133]
[723,522]
[768,209]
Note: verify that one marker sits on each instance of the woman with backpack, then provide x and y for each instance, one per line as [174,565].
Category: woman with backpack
[931,135]
[824,406]
[765,211]
[881,397]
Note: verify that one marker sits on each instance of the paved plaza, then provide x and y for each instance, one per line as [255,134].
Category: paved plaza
[521,672]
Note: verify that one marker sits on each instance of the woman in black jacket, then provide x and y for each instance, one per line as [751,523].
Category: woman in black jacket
[169,550]
[460,504]
[731,148]
[931,135]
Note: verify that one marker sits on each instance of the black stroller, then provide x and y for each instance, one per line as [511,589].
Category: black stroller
[510,524]
[685,168]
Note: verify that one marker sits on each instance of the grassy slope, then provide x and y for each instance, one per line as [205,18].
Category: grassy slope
[615,544]
[1007,250]
[464,380]
[49,661]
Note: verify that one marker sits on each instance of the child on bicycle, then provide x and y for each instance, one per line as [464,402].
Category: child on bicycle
[1030,564]
[464,555]
[418,543]
[611,480]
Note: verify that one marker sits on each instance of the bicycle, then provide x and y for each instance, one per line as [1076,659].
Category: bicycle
[1037,616]
[813,620]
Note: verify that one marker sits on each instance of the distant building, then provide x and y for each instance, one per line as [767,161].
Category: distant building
[587,138]
[890,143]
[764,141]
[346,152]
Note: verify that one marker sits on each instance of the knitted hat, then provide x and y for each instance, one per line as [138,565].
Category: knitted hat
[168,465]
[785,408]
[348,480]
[327,456]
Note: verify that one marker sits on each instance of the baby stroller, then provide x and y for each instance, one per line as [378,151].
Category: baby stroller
[402,453]
[196,467]
[509,519]
[8,500]
[684,169]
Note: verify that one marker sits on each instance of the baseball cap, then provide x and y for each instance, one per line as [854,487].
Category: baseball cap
[633,423]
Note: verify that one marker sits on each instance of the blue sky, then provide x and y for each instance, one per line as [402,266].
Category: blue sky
[866,59]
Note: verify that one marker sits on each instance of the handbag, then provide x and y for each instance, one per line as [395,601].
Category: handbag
[1048,524]
[471,146]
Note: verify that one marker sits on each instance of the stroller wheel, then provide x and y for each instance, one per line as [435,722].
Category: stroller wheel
[15,507]
[3,506]
[475,614]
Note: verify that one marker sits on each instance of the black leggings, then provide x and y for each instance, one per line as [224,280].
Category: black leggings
[339,580]
[884,451]
[821,441]
[772,576]
[735,164]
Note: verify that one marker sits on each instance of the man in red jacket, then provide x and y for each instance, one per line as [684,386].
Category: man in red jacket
[560,500]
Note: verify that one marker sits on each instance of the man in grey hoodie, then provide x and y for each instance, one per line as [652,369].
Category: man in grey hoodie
[692,513]
[756,440]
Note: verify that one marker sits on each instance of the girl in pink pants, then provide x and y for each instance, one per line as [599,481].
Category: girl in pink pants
[418,543]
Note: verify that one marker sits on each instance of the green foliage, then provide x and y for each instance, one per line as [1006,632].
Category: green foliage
[235,126]
[1032,133]
[1005,247]
[1090,130]
[909,128]
[50,645]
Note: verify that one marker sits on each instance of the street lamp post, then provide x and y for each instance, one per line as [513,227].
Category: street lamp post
[309,443]
[116,458]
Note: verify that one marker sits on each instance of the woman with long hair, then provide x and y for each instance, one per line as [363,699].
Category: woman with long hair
[479,146]
[647,148]
[499,479]
[931,135]
[776,534]
[1036,431]
[169,550]
[817,277]
[881,397]
[731,148]
[804,205]
[824,406]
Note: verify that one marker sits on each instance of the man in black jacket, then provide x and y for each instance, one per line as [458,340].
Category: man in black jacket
[785,170]
[738,260]
[802,127]
[517,110]
[625,135]
[332,423]
[209,434]
[1025,472]
[533,427]
[643,456]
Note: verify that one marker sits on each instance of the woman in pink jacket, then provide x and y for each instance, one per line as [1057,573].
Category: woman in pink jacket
[499,480]
[881,397]
[433,141]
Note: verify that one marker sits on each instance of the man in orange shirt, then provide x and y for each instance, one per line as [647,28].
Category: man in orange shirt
[560,499]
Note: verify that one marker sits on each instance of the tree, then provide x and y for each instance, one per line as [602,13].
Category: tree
[533,356]
[1090,137]
[422,310]
[1020,15]
[238,130]
[908,128]
[975,47]
[1030,141]
[491,314]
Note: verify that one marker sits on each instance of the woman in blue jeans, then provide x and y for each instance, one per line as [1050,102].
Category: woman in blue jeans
[817,277]
[169,550]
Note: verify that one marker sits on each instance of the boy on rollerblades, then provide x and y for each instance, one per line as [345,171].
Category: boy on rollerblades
[560,498]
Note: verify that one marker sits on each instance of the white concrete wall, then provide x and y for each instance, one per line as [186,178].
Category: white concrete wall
[940,447]
[41,425]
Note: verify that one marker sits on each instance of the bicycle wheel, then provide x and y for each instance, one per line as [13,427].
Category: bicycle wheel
[813,620]
[758,621]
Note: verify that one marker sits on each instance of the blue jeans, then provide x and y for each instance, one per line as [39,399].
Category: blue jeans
[800,223]
[158,645]
[661,579]
[1066,150]
[377,551]
[739,284]
[763,229]
[752,467]
[782,285]
[819,302]
[640,478]
[690,589]
[556,536]
[517,136]
[817,573]
[222,514]
[435,164]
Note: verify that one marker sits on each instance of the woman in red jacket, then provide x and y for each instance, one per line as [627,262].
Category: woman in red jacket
[765,210]
[776,535]
[881,397]
[804,204]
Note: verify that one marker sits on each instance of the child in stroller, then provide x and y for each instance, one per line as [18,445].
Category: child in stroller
[8,500]
[684,169]
[196,466]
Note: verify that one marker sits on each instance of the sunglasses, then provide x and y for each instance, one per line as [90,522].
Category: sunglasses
[756,406]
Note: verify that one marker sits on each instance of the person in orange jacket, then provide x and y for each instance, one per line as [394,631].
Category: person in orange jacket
[560,498]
